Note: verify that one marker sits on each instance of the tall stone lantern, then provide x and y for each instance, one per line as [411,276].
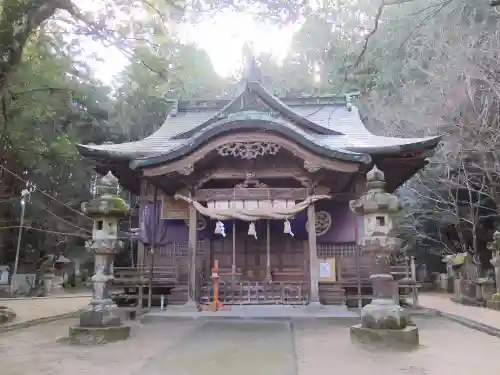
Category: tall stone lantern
[101,322]
[383,319]
[494,247]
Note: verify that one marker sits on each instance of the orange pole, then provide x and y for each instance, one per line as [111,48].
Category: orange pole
[216,304]
[215,272]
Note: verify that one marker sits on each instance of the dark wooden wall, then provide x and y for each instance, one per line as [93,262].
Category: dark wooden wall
[289,261]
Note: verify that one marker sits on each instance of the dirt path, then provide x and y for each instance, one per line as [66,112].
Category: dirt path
[446,348]
[35,308]
[442,302]
[199,348]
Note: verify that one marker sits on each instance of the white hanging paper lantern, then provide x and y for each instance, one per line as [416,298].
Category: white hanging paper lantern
[251,230]
[288,228]
[219,228]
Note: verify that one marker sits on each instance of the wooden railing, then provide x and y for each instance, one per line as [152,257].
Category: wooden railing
[140,276]
[355,273]
[199,282]
[257,292]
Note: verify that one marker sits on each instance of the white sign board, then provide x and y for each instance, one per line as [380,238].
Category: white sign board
[4,275]
[325,270]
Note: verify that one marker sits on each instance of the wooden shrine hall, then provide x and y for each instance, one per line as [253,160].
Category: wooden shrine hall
[262,185]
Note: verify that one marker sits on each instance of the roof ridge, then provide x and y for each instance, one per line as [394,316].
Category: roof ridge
[196,104]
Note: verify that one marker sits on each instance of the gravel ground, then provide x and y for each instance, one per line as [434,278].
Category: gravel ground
[36,308]
[227,348]
[446,348]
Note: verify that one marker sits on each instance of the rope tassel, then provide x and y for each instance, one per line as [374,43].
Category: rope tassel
[288,228]
[251,230]
[219,228]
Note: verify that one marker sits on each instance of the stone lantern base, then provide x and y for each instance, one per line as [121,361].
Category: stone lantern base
[494,303]
[99,324]
[406,337]
[98,335]
[383,321]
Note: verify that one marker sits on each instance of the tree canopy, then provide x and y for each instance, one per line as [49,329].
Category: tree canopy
[423,67]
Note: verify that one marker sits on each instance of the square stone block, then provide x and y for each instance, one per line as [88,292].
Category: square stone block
[494,305]
[97,335]
[407,337]
[103,318]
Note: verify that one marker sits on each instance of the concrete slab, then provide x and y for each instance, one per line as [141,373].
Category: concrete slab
[236,347]
[279,312]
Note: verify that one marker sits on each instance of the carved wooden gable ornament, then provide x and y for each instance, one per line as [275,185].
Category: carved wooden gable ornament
[173,209]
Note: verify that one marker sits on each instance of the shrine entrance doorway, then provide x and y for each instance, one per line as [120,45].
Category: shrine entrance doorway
[267,270]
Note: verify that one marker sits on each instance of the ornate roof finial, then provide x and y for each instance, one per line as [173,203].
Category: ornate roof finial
[375,179]
[252,71]
[107,184]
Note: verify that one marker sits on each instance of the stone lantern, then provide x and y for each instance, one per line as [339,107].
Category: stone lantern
[383,319]
[494,247]
[101,322]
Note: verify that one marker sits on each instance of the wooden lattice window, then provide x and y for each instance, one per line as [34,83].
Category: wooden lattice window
[334,250]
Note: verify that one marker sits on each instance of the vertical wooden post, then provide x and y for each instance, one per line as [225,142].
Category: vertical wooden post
[156,223]
[313,255]
[233,267]
[414,278]
[268,250]
[358,261]
[193,221]
[141,253]
[140,267]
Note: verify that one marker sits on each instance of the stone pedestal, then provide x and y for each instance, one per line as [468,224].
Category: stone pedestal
[383,320]
[57,285]
[98,335]
[101,322]
[47,283]
[494,247]
[494,303]
[400,338]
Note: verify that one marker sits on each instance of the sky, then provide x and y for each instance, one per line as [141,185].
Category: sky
[222,36]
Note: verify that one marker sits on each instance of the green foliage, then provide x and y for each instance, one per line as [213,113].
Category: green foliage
[430,67]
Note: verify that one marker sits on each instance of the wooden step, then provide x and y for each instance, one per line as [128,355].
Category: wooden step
[331,293]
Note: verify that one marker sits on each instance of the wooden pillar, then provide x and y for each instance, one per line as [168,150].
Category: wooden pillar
[268,250]
[233,265]
[141,254]
[193,220]
[313,255]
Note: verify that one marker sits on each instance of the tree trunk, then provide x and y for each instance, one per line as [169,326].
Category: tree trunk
[18,20]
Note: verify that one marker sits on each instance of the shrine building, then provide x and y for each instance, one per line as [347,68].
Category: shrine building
[262,184]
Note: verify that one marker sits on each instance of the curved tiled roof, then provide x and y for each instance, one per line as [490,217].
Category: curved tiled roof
[321,124]
[259,121]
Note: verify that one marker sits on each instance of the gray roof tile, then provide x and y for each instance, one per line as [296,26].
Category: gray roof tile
[182,122]
[356,137]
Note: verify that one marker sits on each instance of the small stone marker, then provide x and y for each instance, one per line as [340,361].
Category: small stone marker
[494,247]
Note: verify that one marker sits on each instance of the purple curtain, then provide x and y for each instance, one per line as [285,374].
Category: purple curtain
[149,225]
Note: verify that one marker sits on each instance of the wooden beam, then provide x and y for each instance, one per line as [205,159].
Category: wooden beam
[204,195]
[312,162]
[334,196]
[242,174]
[269,173]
